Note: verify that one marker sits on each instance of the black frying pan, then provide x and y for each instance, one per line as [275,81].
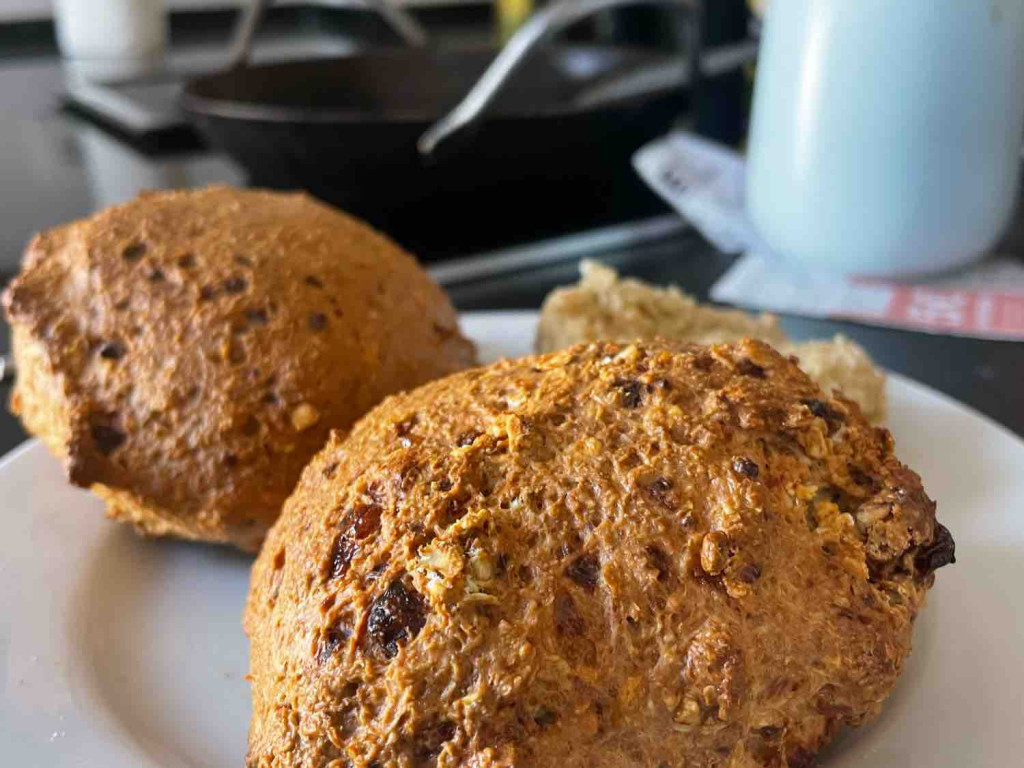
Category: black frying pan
[537,164]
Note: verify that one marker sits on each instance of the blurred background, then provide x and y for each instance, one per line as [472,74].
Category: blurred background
[550,156]
[503,184]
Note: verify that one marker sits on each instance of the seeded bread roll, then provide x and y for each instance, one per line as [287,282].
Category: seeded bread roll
[187,353]
[604,306]
[617,555]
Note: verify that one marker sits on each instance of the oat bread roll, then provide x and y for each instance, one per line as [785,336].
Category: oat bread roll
[605,306]
[647,555]
[186,353]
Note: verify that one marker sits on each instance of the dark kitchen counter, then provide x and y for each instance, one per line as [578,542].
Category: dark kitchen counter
[55,167]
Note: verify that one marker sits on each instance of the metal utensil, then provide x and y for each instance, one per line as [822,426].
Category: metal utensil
[541,26]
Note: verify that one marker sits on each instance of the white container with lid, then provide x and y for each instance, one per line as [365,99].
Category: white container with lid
[886,135]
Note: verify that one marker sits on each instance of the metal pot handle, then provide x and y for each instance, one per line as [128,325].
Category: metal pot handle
[400,20]
[539,27]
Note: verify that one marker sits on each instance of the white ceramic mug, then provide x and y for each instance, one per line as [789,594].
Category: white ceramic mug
[886,134]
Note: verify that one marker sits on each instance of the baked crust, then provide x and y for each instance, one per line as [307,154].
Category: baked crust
[186,354]
[654,554]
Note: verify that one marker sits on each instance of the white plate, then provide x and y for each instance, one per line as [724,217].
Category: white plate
[118,652]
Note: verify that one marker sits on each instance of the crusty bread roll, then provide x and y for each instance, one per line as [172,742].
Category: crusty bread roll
[186,354]
[646,555]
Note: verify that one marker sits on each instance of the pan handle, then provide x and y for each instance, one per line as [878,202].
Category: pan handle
[538,28]
[248,23]
[400,20]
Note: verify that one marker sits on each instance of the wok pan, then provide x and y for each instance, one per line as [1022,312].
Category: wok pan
[537,164]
